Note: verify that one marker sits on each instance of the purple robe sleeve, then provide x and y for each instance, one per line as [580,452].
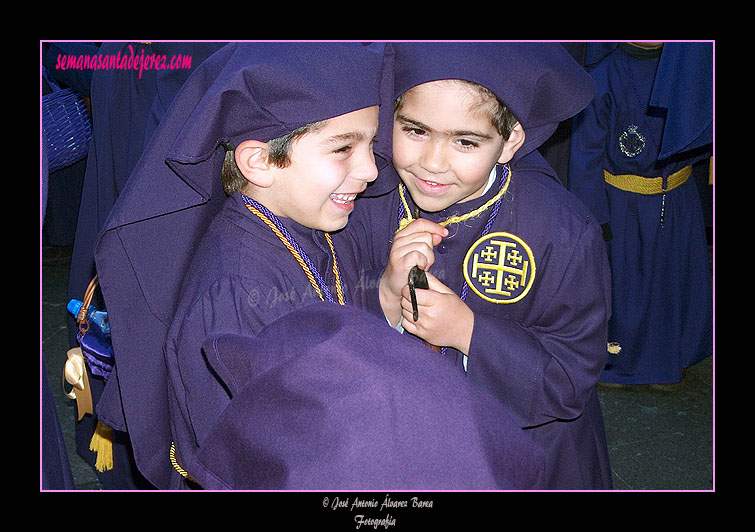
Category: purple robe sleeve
[587,159]
[227,305]
[548,372]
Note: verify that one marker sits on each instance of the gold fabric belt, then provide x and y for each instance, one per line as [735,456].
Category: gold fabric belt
[647,185]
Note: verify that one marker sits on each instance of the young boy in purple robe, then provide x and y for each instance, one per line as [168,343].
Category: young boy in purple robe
[295,161]
[518,279]
[259,91]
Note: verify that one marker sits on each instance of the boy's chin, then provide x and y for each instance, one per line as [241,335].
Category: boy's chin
[434,204]
[332,226]
[440,202]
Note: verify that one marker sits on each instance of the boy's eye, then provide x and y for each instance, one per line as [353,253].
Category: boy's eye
[467,144]
[412,130]
[343,149]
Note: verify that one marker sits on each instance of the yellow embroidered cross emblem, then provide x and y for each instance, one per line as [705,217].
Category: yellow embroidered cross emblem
[500,267]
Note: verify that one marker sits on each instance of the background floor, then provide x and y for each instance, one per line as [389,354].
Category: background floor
[658,440]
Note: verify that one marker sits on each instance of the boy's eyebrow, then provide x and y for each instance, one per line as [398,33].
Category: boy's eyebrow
[348,136]
[452,133]
[351,135]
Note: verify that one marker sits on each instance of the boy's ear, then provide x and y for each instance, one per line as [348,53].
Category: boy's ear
[251,160]
[510,147]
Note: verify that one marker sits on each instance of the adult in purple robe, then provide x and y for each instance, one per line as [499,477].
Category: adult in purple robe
[541,348]
[633,153]
[127,105]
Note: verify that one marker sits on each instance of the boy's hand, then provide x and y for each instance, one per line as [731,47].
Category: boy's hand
[412,246]
[444,319]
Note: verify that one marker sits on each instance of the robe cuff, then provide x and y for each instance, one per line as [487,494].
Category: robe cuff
[509,362]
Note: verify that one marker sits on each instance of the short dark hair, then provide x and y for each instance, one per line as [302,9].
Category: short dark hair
[502,119]
[279,154]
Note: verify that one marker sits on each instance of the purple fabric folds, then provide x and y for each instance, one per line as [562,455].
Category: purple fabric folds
[349,403]
[98,351]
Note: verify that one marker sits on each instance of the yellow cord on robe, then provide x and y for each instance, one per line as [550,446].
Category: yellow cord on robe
[336,271]
[647,185]
[298,257]
[453,219]
[102,444]
[172,455]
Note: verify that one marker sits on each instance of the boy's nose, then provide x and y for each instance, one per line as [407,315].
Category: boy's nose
[433,158]
[365,169]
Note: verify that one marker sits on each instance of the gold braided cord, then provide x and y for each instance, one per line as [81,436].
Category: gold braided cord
[453,219]
[336,271]
[173,461]
[288,245]
[300,260]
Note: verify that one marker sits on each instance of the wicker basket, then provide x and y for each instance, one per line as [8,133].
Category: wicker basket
[66,124]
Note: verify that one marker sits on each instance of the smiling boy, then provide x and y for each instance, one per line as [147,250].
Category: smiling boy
[298,131]
[519,286]
[443,159]
[420,150]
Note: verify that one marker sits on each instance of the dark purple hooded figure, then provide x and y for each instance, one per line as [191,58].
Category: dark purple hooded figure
[127,105]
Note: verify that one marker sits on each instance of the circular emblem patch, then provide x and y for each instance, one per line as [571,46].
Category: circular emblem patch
[500,268]
[632,142]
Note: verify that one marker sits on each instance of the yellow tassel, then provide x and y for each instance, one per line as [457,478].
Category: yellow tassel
[710,171]
[102,444]
[614,348]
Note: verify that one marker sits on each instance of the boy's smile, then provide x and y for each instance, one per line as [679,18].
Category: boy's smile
[345,200]
[444,144]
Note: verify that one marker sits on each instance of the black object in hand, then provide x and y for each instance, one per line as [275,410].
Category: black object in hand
[417,279]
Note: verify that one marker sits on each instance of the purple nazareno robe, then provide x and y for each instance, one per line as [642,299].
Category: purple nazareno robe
[127,105]
[349,403]
[173,192]
[537,278]
[652,117]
